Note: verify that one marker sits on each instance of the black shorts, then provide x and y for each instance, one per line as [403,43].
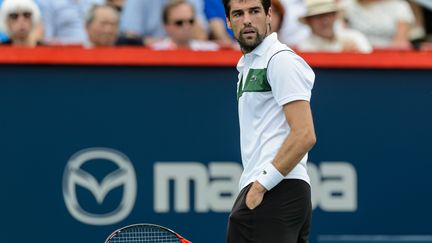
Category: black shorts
[284,216]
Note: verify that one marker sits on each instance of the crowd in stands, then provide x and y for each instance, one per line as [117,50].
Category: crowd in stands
[307,25]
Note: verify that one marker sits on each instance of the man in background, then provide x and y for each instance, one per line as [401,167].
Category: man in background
[102,26]
[179,20]
[143,19]
[321,16]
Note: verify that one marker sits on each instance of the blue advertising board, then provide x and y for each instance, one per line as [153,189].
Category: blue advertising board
[88,149]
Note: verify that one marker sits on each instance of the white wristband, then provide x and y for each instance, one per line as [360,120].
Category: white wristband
[270,177]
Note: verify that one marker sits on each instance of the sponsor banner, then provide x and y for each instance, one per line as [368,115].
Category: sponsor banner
[86,150]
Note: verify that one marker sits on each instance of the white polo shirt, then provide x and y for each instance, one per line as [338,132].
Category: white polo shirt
[269,77]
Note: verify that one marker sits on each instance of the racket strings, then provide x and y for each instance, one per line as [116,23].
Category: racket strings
[145,235]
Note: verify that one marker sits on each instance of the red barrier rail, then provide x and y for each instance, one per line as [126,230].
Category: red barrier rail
[128,56]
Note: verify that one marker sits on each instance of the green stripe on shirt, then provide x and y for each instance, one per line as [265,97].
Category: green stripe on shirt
[256,81]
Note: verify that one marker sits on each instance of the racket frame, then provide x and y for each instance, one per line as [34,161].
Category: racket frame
[116,232]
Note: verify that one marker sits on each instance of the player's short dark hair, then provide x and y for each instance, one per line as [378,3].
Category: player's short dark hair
[266,4]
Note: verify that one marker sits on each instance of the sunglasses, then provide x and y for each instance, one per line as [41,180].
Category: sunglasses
[180,23]
[15,16]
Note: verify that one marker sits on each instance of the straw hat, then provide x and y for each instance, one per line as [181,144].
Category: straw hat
[317,7]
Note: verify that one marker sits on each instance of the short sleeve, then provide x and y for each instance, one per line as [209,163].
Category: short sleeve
[290,77]
[403,12]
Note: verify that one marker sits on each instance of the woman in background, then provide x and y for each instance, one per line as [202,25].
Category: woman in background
[386,23]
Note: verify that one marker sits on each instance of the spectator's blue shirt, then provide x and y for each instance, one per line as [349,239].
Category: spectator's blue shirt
[215,9]
[3,36]
[144,17]
[64,20]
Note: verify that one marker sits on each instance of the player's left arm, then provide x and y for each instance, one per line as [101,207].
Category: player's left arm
[299,141]
[301,138]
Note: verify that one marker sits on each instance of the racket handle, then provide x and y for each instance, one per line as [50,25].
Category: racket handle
[183,240]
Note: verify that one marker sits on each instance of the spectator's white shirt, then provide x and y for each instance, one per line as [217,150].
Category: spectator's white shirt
[315,43]
[292,31]
[195,45]
[378,21]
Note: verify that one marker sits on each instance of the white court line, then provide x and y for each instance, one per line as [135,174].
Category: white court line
[375,238]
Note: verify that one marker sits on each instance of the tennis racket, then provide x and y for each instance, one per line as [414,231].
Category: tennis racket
[145,233]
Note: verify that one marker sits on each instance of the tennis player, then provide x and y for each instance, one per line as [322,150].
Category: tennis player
[276,130]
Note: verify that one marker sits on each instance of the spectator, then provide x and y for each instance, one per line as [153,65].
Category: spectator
[64,20]
[179,19]
[19,18]
[143,19]
[321,17]
[292,31]
[386,23]
[102,25]
[218,28]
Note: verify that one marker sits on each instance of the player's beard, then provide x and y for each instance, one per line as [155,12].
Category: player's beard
[249,45]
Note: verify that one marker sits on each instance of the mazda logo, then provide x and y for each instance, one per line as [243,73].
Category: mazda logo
[75,176]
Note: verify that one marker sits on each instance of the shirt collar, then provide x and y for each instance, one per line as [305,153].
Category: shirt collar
[265,44]
[259,50]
